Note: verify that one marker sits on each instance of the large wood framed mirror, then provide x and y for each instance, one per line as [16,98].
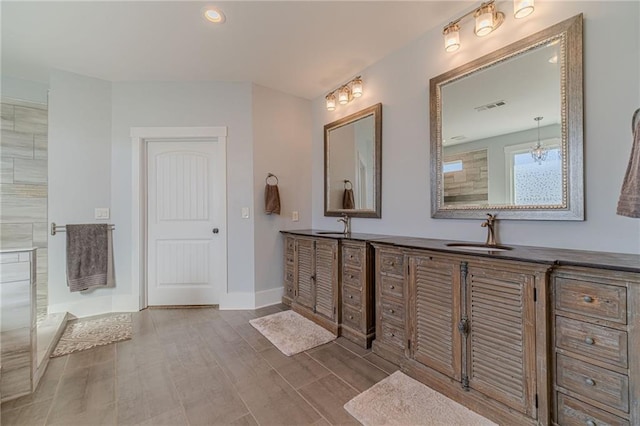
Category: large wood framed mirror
[353,163]
[507,131]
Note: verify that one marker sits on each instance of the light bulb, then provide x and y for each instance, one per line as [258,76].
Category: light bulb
[451,37]
[344,95]
[522,8]
[356,87]
[331,102]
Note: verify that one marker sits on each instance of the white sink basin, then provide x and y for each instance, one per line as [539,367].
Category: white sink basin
[478,247]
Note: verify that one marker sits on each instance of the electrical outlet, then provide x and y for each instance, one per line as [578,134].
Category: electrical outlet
[101,213]
[245,212]
[294,216]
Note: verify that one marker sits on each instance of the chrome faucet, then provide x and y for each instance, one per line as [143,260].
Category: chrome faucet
[491,233]
[347,223]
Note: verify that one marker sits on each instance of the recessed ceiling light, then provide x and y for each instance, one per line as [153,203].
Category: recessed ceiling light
[214,15]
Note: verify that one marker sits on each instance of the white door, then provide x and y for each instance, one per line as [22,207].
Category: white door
[186,219]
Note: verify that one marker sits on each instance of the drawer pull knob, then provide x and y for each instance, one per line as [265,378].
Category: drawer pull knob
[393,263]
[588,299]
[351,276]
[392,287]
[393,335]
[350,256]
[590,382]
[350,316]
[591,423]
[391,311]
[589,341]
[351,296]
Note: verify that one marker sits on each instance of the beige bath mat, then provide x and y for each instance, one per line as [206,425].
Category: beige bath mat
[401,400]
[291,332]
[87,333]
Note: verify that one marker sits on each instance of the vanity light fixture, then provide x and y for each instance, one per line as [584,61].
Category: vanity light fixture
[539,152]
[522,8]
[345,93]
[487,18]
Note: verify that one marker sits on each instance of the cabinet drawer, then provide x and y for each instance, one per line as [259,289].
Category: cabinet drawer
[352,256]
[572,412]
[392,335]
[351,317]
[599,384]
[392,311]
[352,277]
[288,290]
[595,300]
[391,263]
[289,245]
[352,296]
[391,286]
[288,274]
[601,343]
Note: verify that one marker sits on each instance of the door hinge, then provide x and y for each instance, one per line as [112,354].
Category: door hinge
[536,400]
[409,344]
[465,382]
[408,270]
[535,297]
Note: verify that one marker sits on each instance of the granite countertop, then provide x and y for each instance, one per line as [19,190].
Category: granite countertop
[550,256]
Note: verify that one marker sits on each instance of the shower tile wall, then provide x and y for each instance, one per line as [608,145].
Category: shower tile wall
[23,184]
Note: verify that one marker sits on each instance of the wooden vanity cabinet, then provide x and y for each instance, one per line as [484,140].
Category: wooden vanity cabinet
[470,329]
[596,330]
[315,279]
[391,322]
[357,302]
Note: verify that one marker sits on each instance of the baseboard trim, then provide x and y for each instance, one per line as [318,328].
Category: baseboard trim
[269,297]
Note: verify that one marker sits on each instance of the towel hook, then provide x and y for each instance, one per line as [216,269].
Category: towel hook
[271,175]
[348,182]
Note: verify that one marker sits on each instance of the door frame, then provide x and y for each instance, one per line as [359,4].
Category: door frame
[140,137]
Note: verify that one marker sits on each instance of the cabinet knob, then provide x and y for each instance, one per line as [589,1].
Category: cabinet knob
[392,287]
[393,263]
[590,382]
[351,296]
[588,299]
[350,256]
[589,341]
[591,423]
[391,311]
[393,335]
[351,276]
[350,316]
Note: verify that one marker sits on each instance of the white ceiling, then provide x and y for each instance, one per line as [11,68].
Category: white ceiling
[304,48]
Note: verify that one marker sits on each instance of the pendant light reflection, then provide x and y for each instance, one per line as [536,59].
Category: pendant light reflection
[539,152]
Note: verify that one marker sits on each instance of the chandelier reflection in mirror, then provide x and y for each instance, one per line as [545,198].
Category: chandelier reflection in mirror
[539,152]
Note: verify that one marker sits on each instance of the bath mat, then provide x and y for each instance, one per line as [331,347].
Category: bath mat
[401,400]
[291,332]
[87,333]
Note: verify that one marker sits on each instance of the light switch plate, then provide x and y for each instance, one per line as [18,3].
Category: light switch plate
[102,213]
[294,216]
[245,212]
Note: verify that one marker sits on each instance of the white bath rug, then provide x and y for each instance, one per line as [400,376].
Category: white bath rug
[401,400]
[87,333]
[291,332]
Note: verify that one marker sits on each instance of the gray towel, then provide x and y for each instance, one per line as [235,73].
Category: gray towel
[271,199]
[89,256]
[629,203]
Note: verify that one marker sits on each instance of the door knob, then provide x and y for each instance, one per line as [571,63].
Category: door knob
[216,230]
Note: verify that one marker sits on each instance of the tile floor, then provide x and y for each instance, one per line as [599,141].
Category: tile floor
[197,367]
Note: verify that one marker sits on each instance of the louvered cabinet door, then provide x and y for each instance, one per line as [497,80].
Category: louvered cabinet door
[501,343]
[304,270]
[326,285]
[436,312]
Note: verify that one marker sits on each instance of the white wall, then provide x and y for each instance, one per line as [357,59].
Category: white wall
[171,104]
[24,90]
[401,82]
[79,177]
[282,146]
